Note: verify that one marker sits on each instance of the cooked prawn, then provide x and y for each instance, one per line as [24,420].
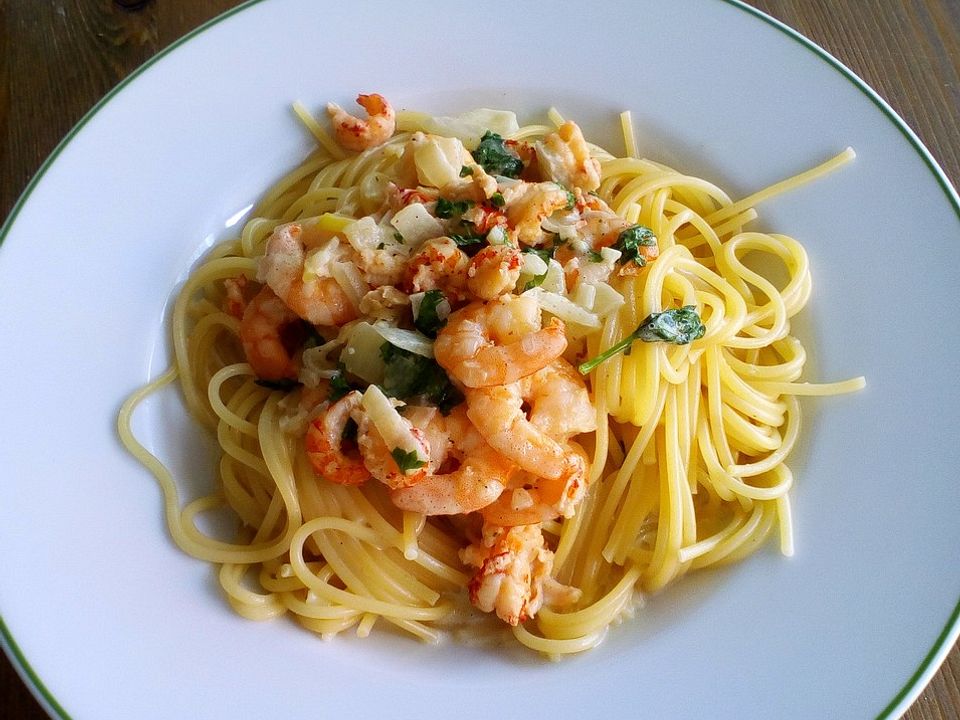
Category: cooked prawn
[324,444]
[500,341]
[320,300]
[513,577]
[528,204]
[559,408]
[494,271]
[272,335]
[381,463]
[357,135]
[439,264]
[478,481]
[565,157]
[531,499]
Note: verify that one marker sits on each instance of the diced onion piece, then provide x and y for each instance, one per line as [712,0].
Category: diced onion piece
[584,295]
[497,236]
[610,254]
[332,222]
[409,340]
[395,432]
[533,264]
[415,223]
[350,280]
[361,355]
[607,300]
[555,281]
[318,261]
[439,160]
[363,234]
[563,308]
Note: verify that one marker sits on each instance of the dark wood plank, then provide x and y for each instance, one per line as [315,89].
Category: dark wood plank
[59,57]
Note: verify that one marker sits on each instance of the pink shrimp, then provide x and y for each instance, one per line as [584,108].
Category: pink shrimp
[324,444]
[513,575]
[320,300]
[500,341]
[479,479]
[438,265]
[358,135]
[494,271]
[271,335]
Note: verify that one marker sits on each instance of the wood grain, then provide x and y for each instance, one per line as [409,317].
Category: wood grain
[58,58]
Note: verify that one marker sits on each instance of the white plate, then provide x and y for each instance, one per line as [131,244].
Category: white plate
[110,620]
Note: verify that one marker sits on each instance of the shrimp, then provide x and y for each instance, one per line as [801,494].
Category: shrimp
[381,463]
[559,408]
[531,499]
[565,158]
[439,264]
[480,478]
[271,335]
[321,300]
[497,342]
[358,135]
[324,443]
[527,204]
[494,271]
[513,577]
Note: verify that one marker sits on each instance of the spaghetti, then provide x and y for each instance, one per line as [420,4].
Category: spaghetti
[687,442]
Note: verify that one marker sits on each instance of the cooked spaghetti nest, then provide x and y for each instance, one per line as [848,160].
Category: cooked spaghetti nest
[458,358]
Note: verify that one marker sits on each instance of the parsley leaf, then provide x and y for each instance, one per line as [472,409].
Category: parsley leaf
[544,254]
[408,376]
[338,384]
[631,240]
[448,208]
[470,244]
[497,200]
[428,321]
[594,256]
[493,155]
[466,171]
[679,326]
[407,461]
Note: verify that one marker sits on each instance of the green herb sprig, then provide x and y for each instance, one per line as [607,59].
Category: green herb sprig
[680,326]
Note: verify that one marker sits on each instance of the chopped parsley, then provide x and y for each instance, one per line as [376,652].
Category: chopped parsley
[470,244]
[409,376]
[338,384]
[493,155]
[466,171]
[594,256]
[428,320]
[497,200]
[448,208]
[407,461]
[631,240]
[544,254]
[679,326]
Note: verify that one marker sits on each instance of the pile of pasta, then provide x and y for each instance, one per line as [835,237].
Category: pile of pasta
[688,464]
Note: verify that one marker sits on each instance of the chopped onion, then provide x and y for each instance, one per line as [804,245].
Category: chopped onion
[563,308]
[409,340]
[396,433]
[416,224]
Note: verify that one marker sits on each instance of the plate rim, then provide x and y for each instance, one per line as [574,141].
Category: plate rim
[950,632]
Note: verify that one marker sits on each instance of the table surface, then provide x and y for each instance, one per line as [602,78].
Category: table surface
[907,50]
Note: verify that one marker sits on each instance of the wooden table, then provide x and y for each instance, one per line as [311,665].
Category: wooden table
[59,57]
